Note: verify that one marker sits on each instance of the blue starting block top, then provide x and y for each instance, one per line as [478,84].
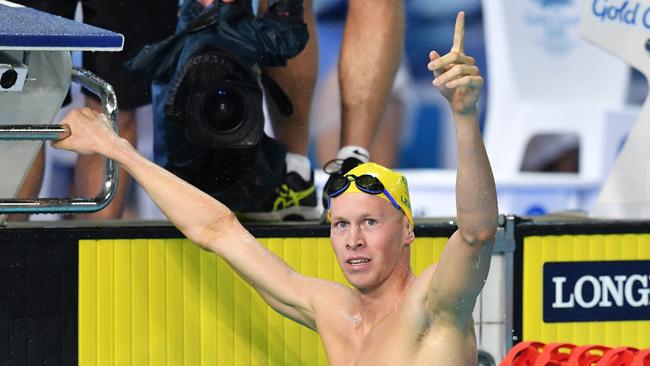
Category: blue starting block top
[23,28]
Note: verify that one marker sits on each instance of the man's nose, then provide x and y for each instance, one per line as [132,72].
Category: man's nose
[355,240]
[354,245]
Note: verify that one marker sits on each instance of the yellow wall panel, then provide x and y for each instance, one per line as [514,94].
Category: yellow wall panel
[88,306]
[157,309]
[140,303]
[579,248]
[105,306]
[123,290]
[166,302]
[174,299]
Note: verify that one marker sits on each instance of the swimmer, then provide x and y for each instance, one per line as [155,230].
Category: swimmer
[389,316]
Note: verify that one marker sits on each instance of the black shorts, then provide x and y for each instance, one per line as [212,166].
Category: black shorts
[140,21]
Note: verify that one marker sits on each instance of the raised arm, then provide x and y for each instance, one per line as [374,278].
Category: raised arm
[202,219]
[465,261]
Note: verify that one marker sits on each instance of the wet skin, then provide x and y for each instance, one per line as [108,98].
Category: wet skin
[385,319]
[388,317]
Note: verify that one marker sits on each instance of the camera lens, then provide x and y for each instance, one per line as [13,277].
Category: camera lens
[223,109]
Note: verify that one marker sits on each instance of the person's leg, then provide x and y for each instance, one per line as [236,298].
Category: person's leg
[296,196]
[131,89]
[385,146]
[371,52]
[89,170]
[32,183]
[298,80]
[370,56]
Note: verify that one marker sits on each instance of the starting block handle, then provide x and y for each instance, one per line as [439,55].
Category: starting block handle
[54,132]
[34,132]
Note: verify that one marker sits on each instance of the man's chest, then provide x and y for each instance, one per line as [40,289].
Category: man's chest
[389,342]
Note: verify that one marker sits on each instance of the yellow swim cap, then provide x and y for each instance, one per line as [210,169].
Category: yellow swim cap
[394,183]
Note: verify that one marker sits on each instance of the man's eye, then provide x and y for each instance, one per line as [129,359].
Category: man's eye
[341,224]
[371,222]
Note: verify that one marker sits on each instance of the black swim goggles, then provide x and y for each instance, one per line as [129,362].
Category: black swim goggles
[366,183]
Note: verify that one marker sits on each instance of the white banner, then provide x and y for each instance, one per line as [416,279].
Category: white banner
[622,28]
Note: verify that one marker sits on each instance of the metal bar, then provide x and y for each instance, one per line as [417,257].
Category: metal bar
[508,238]
[69,205]
[34,132]
[48,205]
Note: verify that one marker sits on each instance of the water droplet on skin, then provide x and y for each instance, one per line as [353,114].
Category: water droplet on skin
[354,319]
[249,238]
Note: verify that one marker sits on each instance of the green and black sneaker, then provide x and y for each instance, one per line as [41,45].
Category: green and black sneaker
[293,200]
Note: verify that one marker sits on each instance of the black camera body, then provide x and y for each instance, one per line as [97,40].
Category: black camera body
[208,91]
[218,98]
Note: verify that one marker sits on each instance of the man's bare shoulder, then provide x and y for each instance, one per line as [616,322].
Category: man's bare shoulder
[325,292]
[336,309]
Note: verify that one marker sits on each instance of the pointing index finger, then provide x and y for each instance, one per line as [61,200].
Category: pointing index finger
[459,33]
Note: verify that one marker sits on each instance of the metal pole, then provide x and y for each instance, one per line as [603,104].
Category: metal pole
[34,132]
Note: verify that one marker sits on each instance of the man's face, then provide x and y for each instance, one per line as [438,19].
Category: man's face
[370,238]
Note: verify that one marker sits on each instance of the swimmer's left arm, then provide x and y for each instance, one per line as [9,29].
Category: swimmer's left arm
[465,261]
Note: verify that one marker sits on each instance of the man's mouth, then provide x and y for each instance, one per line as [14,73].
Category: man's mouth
[358,261]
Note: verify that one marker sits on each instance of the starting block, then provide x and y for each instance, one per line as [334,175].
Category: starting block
[35,74]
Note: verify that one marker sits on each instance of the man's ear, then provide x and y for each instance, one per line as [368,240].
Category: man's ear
[410,236]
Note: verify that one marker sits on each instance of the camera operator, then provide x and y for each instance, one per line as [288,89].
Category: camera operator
[208,106]
[370,56]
